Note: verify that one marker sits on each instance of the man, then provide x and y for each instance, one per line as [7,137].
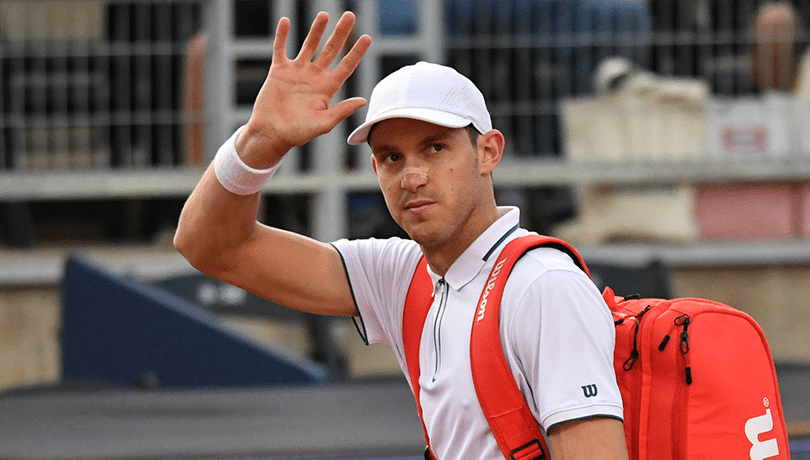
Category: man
[433,149]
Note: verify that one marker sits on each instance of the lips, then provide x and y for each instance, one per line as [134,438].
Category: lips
[419,206]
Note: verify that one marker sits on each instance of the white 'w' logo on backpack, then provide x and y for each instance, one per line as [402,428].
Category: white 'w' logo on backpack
[755,426]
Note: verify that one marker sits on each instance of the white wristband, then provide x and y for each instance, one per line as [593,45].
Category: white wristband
[234,174]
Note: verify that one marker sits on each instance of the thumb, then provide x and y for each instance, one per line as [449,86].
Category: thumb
[343,110]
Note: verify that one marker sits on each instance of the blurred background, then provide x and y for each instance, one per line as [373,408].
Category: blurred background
[669,140]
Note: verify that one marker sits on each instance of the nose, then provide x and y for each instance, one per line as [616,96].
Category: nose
[414,177]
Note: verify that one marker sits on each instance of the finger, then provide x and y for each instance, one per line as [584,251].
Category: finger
[280,43]
[352,59]
[313,40]
[336,41]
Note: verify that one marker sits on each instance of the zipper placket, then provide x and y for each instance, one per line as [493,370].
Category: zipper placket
[634,353]
[632,360]
[437,326]
[683,321]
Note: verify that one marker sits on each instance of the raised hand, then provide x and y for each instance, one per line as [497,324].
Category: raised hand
[293,106]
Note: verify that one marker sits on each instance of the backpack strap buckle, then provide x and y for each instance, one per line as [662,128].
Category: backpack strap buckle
[529,451]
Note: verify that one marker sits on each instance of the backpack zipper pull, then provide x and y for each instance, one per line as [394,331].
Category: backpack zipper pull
[634,353]
[684,321]
[664,343]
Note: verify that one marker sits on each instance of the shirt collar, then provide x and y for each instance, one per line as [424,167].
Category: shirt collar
[475,257]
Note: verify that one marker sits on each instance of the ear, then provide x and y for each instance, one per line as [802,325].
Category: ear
[490,150]
[374,163]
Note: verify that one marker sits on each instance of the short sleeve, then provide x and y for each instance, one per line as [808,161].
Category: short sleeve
[560,338]
[379,272]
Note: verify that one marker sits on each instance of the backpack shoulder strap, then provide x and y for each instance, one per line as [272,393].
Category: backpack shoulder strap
[505,408]
[510,419]
[414,315]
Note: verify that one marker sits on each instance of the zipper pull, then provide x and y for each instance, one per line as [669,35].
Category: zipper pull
[664,343]
[439,286]
[631,360]
[684,321]
[628,364]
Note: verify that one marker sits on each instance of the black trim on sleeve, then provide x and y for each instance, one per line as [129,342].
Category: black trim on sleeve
[358,320]
[585,418]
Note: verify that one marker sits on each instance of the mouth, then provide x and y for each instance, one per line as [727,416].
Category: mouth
[418,206]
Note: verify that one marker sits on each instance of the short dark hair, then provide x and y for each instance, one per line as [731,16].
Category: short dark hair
[473,132]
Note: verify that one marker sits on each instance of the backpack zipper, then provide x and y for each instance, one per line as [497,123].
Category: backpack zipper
[682,321]
[685,320]
[634,355]
[635,403]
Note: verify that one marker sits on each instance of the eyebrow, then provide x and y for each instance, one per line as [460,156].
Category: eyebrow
[445,134]
[379,149]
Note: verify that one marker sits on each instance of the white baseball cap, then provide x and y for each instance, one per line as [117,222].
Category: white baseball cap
[429,92]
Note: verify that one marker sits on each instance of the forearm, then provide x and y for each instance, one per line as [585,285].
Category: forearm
[219,217]
[214,224]
[218,234]
[599,438]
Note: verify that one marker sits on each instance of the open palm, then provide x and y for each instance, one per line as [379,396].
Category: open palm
[293,105]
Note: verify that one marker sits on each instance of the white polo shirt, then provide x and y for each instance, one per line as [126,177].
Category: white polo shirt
[557,333]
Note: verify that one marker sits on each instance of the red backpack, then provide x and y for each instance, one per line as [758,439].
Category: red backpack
[697,378]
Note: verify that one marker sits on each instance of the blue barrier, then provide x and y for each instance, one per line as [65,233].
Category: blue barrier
[123,332]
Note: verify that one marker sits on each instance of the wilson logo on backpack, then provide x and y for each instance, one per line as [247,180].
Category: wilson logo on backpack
[482,307]
[755,426]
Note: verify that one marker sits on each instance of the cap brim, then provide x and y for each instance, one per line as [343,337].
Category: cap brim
[438,117]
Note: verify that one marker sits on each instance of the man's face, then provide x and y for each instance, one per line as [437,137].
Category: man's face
[431,180]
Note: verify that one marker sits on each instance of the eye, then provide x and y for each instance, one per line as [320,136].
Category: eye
[391,158]
[436,148]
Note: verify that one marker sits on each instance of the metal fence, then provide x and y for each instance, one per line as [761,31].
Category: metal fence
[108,85]
[92,84]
